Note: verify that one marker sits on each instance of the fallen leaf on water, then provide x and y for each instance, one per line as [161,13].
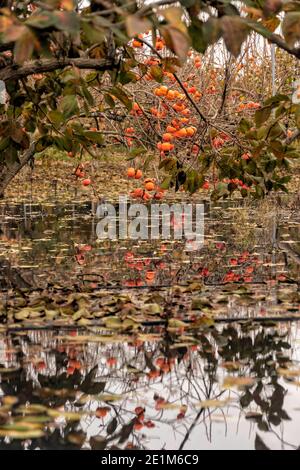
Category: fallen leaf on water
[15,434]
[288,372]
[231,381]
[213,403]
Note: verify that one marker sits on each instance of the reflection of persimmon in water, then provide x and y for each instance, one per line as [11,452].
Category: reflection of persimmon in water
[102,411]
[153,374]
[111,361]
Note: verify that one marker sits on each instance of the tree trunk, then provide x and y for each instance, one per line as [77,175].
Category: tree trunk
[7,173]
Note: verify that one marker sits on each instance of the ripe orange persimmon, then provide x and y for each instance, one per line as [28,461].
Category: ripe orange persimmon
[136,43]
[111,361]
[186,112]
[181,133]
[167,146]
[131,172]
[167,137]
[158,195]
[150,275]
[175,123]
[161,91]
[146,196]
[190,131]
[138,192]
[138,174]
[171,95]
[159,45]
[102,411]
[178,107]
[149,185]
[153,374]
[171,129]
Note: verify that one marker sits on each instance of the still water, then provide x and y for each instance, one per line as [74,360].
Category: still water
[141,344]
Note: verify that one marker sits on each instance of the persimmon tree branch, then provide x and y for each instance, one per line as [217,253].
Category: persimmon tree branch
[15,72]
[12,170]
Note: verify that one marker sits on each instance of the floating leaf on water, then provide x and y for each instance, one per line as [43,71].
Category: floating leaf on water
[240,382]
[15,434]
[170,406]
[68,415]
[32,409]
[9,400]
[174,323]
[288,372]
[213,403]
[231,365]
[110,397]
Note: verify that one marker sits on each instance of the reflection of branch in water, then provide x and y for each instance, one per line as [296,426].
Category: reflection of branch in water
[186,437]
[10,277]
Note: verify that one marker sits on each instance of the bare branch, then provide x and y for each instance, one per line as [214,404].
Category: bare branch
[14,72]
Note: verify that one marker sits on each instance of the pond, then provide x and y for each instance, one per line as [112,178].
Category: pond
[124,344]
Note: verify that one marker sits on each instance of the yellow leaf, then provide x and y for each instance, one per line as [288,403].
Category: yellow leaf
[174,16]
[67,5]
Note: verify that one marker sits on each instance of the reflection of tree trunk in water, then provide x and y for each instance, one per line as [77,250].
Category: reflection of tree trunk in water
[7,173]
[287,249]
[10,277]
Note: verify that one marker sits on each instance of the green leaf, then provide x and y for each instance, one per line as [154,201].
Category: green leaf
[56,117]
[275,131]
[69,106]
[166,182]
[244,126]
[94,136]
[262,115]
[157,73]
[109,100]
[122,96]
[134,152]
[88,96]
[127,77]
[274,100]
[41,21]
[93,33]
[258,28]
[204,34]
